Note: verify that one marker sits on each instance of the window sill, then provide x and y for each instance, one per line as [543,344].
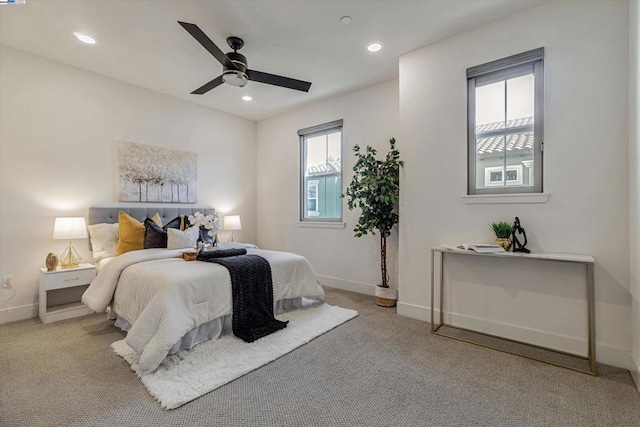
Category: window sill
[317,224]
[490,199]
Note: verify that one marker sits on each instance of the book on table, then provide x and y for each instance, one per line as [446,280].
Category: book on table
[481,247]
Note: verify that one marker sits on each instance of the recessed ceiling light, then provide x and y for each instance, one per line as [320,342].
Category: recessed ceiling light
[84,38]
[374,46]
[247,98]
[346,20]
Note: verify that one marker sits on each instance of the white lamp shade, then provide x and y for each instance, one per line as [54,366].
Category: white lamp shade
[232,223]
[70,228]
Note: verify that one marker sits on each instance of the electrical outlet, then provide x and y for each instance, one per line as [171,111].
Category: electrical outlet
[7,281]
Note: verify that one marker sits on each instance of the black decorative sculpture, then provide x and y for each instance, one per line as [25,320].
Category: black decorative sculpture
[517,246]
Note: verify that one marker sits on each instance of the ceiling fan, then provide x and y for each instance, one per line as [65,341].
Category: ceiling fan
[234,65]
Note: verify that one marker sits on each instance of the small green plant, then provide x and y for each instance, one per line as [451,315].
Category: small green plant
[502,229]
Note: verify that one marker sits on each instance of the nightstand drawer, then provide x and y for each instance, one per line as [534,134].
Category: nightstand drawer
[67,279]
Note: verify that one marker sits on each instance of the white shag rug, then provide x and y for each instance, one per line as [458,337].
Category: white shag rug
[190,374]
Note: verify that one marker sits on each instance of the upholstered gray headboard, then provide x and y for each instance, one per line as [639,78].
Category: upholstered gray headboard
[110,215]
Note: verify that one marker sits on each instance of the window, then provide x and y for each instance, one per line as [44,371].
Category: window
[494,176]
[505,125]
[321,172]
[312,198]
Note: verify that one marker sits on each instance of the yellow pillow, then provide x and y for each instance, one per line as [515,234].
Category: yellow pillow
[132,232]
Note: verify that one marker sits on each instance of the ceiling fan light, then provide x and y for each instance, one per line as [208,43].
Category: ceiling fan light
[235,78]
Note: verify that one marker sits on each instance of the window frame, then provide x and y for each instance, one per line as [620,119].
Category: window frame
[498,70]
[304,134]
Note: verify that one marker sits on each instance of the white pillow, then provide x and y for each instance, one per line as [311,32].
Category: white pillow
[177,239]
[104,240]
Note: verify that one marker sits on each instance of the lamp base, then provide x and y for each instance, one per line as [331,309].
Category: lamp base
[232,238]
[70,258]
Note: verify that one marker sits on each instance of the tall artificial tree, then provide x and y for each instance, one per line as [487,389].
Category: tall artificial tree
[375,189]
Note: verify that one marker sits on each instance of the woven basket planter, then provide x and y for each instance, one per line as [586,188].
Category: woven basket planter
[386,297]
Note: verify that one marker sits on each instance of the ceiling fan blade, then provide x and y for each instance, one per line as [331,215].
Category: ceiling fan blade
[207,87]
[272,79]
[206,42]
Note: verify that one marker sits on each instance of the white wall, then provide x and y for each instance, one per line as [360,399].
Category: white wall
[585,172]
[634,181]
[59,126]
[370,118]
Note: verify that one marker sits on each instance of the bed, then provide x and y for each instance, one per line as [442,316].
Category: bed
[167,304]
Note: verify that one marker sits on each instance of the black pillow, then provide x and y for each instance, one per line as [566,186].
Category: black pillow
[156,236]
[174,223]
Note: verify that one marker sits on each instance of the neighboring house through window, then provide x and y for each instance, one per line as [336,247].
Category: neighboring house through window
[321,172]
[505,125]
[312,198]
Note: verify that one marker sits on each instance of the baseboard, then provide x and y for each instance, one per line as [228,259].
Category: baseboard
[608,354]
[414,311]
[348,285]
[634,368]
[13,314]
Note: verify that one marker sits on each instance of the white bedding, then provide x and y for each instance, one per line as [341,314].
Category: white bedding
[163,297]
[103,262]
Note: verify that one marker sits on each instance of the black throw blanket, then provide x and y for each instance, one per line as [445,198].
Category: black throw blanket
[251,290]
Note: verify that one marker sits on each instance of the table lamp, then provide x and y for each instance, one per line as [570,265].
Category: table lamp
[232,223]
[69,229]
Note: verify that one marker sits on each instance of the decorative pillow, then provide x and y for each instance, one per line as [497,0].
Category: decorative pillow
[204,233]
[104,240]
[155,236]
[177,222]
[177,239]
[132,232]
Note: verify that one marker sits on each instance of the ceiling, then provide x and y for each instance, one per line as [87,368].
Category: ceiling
[140,42]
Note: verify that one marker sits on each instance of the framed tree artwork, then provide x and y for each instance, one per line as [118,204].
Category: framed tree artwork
[156,174]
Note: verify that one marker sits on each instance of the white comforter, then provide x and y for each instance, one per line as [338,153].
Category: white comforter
[163,297]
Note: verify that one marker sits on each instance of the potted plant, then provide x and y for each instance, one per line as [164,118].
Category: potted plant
[375,189]
[503,232]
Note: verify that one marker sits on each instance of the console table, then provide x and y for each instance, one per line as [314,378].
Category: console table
[585,260]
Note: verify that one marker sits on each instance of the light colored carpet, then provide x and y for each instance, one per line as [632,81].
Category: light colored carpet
[378,369]
[190,374]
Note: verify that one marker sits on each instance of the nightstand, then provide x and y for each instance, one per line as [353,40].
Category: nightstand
[61,290]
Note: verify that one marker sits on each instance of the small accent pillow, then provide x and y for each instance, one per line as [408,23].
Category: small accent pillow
[132,232]
[177,222]
[104,240]
[156,236]
[177,239]
[204,233]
